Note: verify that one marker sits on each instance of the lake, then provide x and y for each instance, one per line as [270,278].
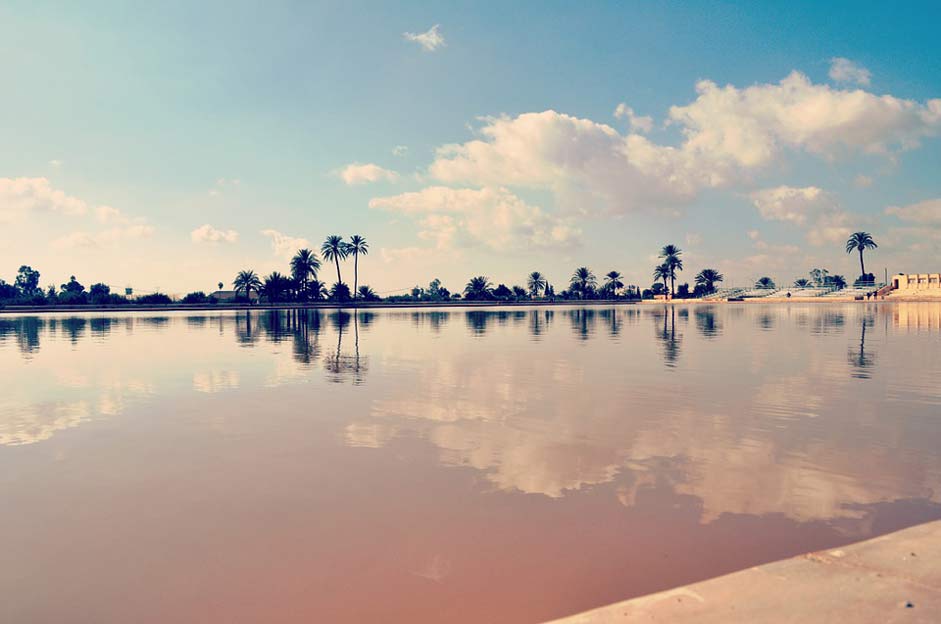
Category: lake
[450,465]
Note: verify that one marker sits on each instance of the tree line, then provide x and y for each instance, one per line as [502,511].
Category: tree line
[302,282]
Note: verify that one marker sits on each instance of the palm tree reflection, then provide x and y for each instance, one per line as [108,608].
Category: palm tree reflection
[670,341]
[706,322]
[341,366]
[859,360]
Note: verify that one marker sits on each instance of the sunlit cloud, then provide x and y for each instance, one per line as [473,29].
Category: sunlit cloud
[430,40]
[208,234]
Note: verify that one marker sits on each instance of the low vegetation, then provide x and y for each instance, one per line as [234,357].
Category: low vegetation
[302,283]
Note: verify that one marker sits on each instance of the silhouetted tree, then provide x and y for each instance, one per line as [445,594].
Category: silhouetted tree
[860,241]
[357,246]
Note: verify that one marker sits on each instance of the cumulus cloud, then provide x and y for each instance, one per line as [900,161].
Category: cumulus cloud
[729,134]
[430,40]
[490,217]
[400,150]
[110,236]
[20,197]
[637,123]
[807,207]
[283,245]
[792,204]
[747,127]
[356,173]
[845,70]
[208,234]
[926,212]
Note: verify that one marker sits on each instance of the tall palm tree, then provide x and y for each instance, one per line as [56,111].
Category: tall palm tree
[662,272]
[671,257]
[536,283]
[860,241]
[708,278]
[478,288]
[276,287]
[304,265]
[357,246]
[335,249]
[613,283]
[247,281]
[582,280]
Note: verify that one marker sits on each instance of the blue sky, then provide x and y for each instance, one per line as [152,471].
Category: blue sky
[128,128]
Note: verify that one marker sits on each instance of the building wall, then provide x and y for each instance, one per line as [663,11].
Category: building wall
[917,281]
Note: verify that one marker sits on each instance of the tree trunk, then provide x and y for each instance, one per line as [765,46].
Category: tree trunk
[339,279]
[862,267]
[355,274]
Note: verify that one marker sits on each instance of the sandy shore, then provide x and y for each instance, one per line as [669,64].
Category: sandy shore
[893,578]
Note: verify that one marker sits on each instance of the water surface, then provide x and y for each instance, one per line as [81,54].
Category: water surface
[449,465]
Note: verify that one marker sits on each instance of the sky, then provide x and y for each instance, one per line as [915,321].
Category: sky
[166,146]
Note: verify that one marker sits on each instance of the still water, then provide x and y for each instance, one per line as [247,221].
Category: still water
[450,465]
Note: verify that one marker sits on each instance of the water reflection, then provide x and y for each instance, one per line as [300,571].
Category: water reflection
[670,341]
[860,360]
[727,436]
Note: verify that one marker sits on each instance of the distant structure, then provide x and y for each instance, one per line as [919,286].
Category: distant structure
[128,291]
[917,284]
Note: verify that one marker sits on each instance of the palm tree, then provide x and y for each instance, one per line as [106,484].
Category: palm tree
[248,281]
[276,286]
[582,280]
[316,289]
[357,246]
[860,241]
[802,283]
[613,283]
[366,293]
[708,278]
[335,249]
[536,283]
[478,288]
[671,257]
[304,265]
[838,281]
[662,272]
[764,282]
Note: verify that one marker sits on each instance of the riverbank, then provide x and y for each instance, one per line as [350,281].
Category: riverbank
[221,307]
[323,305]
[893,578]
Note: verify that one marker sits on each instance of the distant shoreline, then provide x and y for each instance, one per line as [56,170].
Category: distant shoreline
[227,307]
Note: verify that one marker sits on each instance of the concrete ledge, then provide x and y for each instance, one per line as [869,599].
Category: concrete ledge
[893,578]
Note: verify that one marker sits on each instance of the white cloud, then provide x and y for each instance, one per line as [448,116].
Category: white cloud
[926,212]
[283,245]
[430,40]
[845,70]
[637,123]
[831,228]
[20,197]
[490,217]
[747,127]
[808,207]
[110,236]
[55,163]
[208,234]
[356,173]
[729,134]
[400,150]
[792,204]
